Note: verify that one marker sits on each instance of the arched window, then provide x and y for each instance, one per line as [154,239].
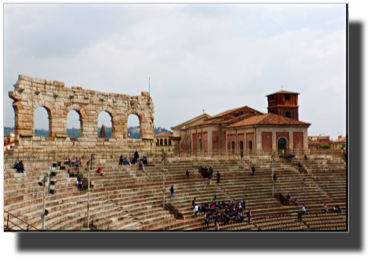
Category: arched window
[233,145]
[200,143]
[42,122]
[250,145]
[161,142]
[74,124]
[241,145]
[166,142]
[288,114]
[134,125]
[105,119]
[170,142]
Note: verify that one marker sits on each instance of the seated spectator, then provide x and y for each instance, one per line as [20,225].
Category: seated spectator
[15,166]
[303,209]
[244,204]
[20,167]
[67,161]
[206,219]
[100,171]
[125,162]
[133,161]
[295,200]
[325,208]
[140,166]
[145,160]
[223,205]
[338,209]
[81,185]
[241,217]
[306,157]
[288,197]
[121,160]
[217,205]
[213,199]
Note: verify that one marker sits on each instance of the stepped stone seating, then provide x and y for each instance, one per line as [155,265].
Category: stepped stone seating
[325,221]
[127,198]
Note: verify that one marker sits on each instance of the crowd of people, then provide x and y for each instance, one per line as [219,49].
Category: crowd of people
[134,160]
[223,212]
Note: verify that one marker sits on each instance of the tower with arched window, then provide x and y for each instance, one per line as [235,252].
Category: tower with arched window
[284,103]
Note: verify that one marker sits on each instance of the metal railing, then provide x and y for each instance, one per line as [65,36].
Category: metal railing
[7,228]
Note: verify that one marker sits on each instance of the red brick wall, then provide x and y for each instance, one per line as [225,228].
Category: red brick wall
[298,140]
[240,139]
[282,134]
[250,137]
[205,141]
[215,140]
[266,141]
[231,138]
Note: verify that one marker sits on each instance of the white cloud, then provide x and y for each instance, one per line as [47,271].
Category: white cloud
[212,57]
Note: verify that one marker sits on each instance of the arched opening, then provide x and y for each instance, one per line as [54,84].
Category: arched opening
[233,145]
[200,143]
[166,142]
[288,115]
[170,142]
[134,126]
[160,142]
[250,145]
[241,145]
[105,119]
[42,122]
[281,144]
[74,125]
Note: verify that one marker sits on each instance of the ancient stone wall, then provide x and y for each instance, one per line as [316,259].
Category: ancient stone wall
[31,93]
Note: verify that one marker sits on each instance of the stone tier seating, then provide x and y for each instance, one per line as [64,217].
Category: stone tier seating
[126,198]
[325,221]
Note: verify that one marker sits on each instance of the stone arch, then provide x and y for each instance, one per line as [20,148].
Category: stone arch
[82,115]
[48,107]
[161,143]
[285,140]
[113,116]
[139,116]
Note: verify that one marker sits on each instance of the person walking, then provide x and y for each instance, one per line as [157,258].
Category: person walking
[172,191]
[218,177]
[249,216]
[187,174]
[196,210]
[300,216]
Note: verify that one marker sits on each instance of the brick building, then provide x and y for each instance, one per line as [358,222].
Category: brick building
[245,129]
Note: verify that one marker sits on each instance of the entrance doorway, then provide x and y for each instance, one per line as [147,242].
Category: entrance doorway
[281,144]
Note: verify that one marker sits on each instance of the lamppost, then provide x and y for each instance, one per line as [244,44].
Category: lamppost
[273,156]
[44,212]
[89,163]
[163,177]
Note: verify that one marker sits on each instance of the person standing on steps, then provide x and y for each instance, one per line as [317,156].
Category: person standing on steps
[136,156]
[194,203]
[275,177]
[304,181]
[218,177]
[211,170]
[249,216]
[121,160]
[172,191]
[187,174]
[253,170]
[210,178]
[196,210]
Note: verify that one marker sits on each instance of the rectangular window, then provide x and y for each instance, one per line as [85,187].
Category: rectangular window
[272,98]
[287,96]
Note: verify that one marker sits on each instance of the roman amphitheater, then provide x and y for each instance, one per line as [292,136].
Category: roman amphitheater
[125,197]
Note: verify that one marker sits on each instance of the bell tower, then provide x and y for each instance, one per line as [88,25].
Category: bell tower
[284,103]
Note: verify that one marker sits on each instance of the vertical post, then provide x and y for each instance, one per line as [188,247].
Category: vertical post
[273,174]
[7,220]
[43,206]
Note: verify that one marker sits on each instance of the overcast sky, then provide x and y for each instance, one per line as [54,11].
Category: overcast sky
[199,56]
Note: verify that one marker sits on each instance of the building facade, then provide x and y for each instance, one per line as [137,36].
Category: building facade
[246,129]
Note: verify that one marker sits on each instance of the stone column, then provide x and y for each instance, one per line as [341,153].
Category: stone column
[274,141]
[209,139]
[291,139]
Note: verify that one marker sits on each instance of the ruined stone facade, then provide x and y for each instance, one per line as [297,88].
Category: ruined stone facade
[58,100]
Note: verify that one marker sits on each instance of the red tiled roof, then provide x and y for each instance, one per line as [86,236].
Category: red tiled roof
[164,134]
[282,92]
[268,119]
[340,140]
[224,113]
